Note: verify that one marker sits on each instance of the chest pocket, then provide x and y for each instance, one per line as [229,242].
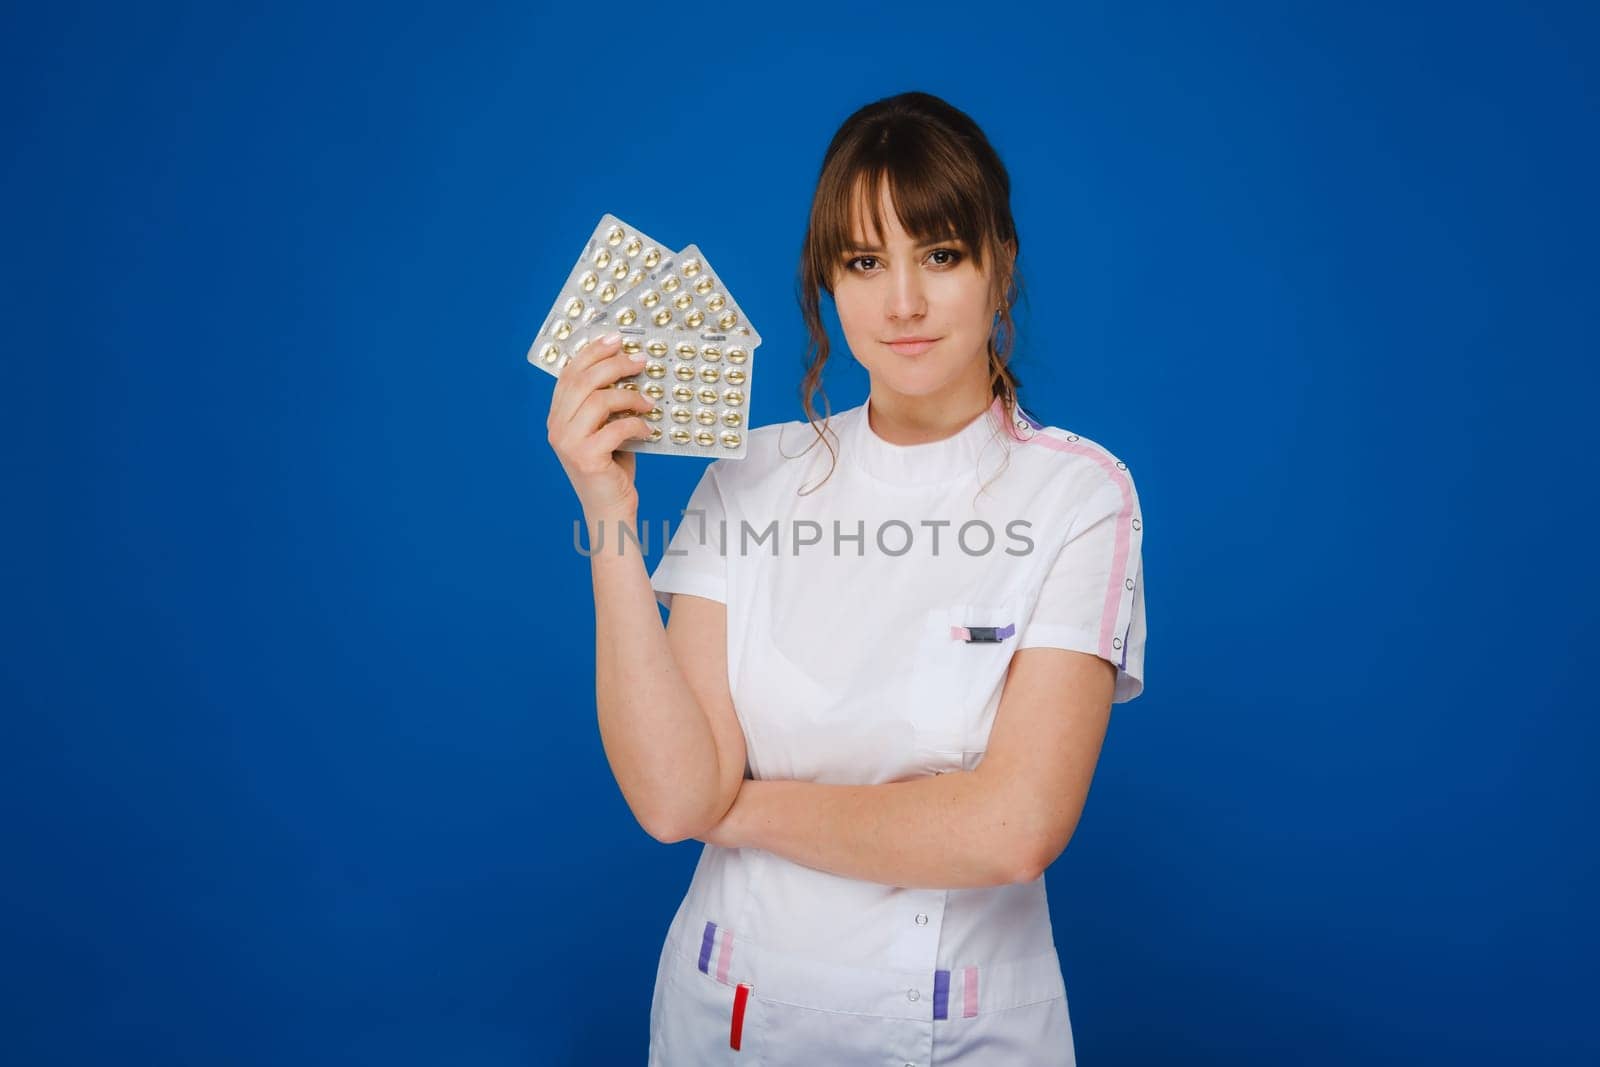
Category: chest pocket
[963,652]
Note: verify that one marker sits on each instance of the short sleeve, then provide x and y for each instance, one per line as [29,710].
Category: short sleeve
[693,561]
[1092,598]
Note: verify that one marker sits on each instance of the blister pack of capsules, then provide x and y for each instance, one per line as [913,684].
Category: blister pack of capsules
[699,347]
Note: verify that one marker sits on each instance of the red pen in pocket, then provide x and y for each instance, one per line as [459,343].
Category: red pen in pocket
[740,996]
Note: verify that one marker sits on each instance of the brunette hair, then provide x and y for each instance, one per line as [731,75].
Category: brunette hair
[944,178]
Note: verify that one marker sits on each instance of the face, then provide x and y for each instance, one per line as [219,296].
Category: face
[896,287]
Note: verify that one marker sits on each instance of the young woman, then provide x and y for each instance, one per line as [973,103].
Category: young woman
[889,662]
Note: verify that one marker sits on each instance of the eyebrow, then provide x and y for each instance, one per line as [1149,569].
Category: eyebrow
[947,239]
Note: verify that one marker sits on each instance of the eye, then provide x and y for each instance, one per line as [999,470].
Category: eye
[955,257]
[851,264]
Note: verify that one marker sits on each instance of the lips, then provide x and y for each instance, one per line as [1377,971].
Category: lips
[912,346]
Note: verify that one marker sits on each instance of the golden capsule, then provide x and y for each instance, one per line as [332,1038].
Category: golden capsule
[708,395]
[682,394]
[652,257]
[602,258]
[630,385]
[608,294]
[658,348]
[574,308]
[709,375]
[626,316]
[728,319]
[685,350]
[590,280]
[731,418]
[649,298]
[681,415]
[735,376]
[706,417]
[655,370]
[680,436]
[715,302]
[712,353]
[683,301]
[630,346]
[655,433]
[620,271]
[729,438]
[614,236]
[690,268]
[635,278]
[704,285]
[550,354]
[669,284]
[562,331]
[683,372]
[654,414]
[737,355]
[706,438]
[663,317]
[694,319]
[733,398]
[635,246]
[654,391]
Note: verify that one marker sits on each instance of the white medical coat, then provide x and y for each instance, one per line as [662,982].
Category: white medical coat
[870,625]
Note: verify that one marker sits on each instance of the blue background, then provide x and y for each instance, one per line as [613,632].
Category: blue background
[301,758]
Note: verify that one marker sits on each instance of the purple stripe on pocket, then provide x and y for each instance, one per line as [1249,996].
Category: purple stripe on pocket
[1008,630]
[941,994]
[705,946]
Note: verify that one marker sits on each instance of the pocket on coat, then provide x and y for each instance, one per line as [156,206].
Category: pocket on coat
[809,1037]
[963,652]
[695,1022]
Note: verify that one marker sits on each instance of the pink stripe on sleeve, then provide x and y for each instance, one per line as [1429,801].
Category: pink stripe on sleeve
[1119,557]
[970,994]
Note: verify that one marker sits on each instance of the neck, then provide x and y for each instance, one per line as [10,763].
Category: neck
[917,421]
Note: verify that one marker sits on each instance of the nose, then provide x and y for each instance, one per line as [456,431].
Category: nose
[906,299]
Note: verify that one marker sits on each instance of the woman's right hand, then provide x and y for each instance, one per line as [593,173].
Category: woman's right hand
[584,441]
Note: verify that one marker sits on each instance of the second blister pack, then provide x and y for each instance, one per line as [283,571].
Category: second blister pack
[673,308]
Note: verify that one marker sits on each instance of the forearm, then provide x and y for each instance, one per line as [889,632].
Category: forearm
[948,831]
[657,739]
